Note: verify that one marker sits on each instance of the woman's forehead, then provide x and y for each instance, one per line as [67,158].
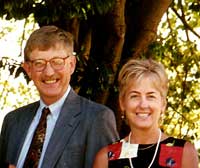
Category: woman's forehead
[148,84]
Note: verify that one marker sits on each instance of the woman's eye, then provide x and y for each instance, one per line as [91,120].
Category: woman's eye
[151,97]
[133,96]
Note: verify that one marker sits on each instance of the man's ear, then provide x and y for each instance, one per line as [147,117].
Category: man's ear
[27,69]
[72,64]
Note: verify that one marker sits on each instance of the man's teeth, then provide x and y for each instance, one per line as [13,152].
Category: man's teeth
[50,81]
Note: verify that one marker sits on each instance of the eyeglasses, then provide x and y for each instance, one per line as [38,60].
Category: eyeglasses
[56,63]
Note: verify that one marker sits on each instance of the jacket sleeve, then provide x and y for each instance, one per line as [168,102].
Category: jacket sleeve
[102,132]
[3,151]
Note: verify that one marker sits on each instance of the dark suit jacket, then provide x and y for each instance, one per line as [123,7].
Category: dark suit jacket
[82,128]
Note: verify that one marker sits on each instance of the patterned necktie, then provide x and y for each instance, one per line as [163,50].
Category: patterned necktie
[35,150]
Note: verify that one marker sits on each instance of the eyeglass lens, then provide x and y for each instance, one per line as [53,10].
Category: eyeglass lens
[56,63]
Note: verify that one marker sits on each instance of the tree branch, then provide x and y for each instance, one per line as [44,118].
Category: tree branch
[187,26]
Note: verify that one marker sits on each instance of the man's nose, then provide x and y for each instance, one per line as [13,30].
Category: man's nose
[48,69]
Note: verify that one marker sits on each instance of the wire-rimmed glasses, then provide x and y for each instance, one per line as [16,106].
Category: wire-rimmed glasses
[57,63]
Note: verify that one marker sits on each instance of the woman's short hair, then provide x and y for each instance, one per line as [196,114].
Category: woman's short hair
[135,69]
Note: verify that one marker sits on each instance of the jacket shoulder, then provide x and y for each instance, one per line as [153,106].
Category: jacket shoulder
[22,110]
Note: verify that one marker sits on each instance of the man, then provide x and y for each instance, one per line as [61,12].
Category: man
[75,129]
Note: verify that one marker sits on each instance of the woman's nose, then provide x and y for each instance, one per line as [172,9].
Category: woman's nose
[144,102]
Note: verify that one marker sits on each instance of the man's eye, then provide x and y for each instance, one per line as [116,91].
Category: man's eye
[57,61]
[39,63]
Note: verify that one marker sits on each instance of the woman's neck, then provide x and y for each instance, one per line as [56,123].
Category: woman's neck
[144,136]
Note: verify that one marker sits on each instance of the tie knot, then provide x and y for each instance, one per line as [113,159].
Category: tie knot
[45,111]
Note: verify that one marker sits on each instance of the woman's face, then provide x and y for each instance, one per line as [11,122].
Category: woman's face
[142,104]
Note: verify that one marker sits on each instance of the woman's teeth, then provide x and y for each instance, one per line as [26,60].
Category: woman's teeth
[142,115]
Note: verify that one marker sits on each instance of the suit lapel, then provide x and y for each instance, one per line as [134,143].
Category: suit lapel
[23,123]
[68,119]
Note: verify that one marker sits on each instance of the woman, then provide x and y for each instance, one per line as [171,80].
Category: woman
[143,87]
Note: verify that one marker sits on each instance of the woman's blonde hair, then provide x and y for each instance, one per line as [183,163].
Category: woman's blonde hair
[134,70]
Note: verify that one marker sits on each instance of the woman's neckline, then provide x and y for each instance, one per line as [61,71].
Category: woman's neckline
[163,140]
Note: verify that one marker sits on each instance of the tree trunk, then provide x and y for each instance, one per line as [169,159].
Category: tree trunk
[72,26]
[83,53]
[143,19]
[114,45]
[108,33]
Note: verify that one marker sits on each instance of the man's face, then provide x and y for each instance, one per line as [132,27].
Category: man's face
[51,83]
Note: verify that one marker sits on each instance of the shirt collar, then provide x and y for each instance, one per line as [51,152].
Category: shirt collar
[55,108]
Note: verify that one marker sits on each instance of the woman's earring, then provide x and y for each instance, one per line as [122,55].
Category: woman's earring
[124,127]
[123,116]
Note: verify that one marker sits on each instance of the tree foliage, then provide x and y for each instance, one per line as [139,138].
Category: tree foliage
[181,56]
[109,32]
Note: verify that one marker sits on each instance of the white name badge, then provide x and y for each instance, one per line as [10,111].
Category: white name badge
[129,150]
